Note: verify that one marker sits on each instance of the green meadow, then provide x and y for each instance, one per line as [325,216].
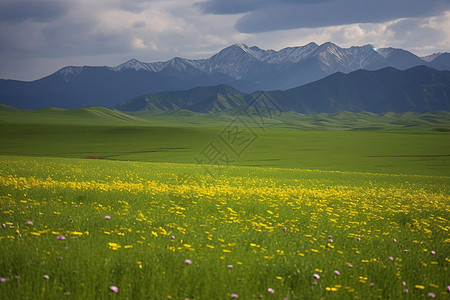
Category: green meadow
[407,144]
[98,204]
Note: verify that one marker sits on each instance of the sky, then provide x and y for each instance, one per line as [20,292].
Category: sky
[38,37]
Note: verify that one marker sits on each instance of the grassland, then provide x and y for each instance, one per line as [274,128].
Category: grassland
[245,231]
[179,138]
[297,215]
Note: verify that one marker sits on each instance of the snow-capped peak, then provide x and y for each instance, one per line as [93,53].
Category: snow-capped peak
[69,72]
[430,58]
[132,64]
[242,46]
[239,60]
[253,51]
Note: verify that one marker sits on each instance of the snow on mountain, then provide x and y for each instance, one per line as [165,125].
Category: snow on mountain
[385,52]
[253,51]
[132,64]
[234,61]
[241,62]
[246,69]
[67,73]
[430,58]
[156,66]
[239,59]
[290,54]
[182,64]
[361,57]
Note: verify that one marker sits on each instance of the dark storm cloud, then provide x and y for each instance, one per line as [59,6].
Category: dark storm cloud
[39,36]
[270,15]
[243,6]
[14,11]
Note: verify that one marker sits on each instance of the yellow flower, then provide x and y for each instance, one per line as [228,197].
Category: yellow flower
[114,246]
[420,287]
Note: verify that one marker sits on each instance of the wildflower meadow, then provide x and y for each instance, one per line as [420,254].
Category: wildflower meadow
[99,229]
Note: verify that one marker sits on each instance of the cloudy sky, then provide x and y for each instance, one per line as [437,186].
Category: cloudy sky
[37,37]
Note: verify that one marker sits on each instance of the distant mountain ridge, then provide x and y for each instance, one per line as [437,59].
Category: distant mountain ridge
[418,89]
[239,66]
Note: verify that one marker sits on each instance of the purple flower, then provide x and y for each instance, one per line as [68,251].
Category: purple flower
[107,217]
[3,225]
[29,223]
[17,277]
[2,279]
[230,266]
[405,291]
[372,284]
[61,237]
[330,240]
[234,296]
[188,261]
[431,295]
[395,241]
[270,290]
[448,288]
[330,236]
[433,252]
[284,228]
[172,237]
[404,283]
[46,277]
[391,258]
[67,293]
[114,288]
[316,276]
[315,282]
[358,239]
[350,265]
[406,250]
[337,272]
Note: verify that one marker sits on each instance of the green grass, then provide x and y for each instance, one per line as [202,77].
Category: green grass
[236,217]
[269,214]
[437,121]
[98,132]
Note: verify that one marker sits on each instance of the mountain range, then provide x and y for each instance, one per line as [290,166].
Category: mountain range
[418,89]
[243,68]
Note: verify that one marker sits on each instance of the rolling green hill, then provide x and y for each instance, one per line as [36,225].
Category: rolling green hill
[435,121]
[200,96]
[419,89]
[90,115]
[408,143]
